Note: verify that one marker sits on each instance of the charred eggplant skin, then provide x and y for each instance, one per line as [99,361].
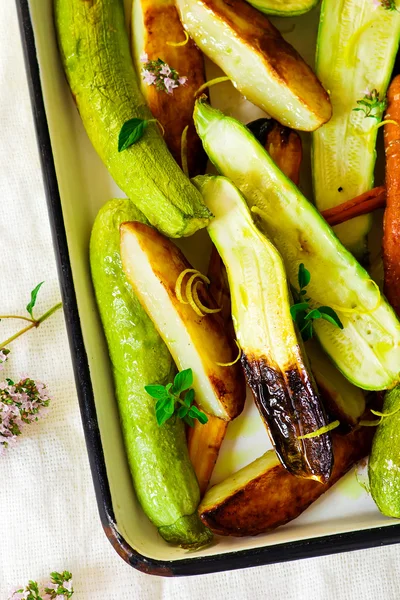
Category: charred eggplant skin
[284,400]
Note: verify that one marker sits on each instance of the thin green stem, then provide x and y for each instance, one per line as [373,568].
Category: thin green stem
[34,323]
[17,317]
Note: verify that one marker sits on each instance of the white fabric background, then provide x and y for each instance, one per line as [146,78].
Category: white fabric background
[48,512]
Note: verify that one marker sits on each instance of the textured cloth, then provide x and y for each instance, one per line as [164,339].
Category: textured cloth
[49,515]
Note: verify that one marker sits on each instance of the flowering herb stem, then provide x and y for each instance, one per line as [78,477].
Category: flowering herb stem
[17,317]
[33,323]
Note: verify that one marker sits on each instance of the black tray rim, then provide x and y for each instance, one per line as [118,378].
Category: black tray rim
[282,552]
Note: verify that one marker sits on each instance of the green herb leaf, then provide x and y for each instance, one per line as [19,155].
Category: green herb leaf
[304,276]
[131,132]
[307,331]
[198,414]
[189,398]
[34,294]
[300,307]
[182,411]
[183,381]
[166,412]
[313,314]
[156,391]
[189,420]
[330,315]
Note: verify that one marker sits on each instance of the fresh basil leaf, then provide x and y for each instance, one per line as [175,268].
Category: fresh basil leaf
[298,308]
[330,315]
[183,381]
[34,294]
[313,314]
[131,132]
[156,391]
[303,277]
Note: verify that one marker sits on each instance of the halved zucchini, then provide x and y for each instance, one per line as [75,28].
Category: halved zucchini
[356,50]
[152,265]
[342,400]
[156,30]
[283,8]
[262,65]
[283,389]
[367,350]
[263,496]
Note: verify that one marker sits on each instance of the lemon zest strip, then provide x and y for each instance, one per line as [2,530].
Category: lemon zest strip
[176,44]
[230,364]
[319,431]
[199,303]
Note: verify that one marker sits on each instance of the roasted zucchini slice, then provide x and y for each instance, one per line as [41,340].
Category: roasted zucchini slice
[367,350]
[283,388]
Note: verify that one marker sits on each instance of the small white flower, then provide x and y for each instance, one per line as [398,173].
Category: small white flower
[144,58]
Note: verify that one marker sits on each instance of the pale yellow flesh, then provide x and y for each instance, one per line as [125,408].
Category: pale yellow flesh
[226,43]
[362,41]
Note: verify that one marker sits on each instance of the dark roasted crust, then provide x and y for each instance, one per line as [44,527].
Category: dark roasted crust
[276,497]
[290,407]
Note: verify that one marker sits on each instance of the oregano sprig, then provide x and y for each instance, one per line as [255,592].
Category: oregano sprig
[170,403]
[33,322]
[371,104]
[60,587]
[302,313]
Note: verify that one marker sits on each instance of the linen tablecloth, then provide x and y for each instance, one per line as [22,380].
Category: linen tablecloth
[49,517]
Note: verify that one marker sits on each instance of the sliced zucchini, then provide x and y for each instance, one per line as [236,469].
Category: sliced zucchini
[356,50]
[342,400]
[284,8]
[283,389]
[263,496]
[156,31]
[262,65]
[152,265]
[367,350]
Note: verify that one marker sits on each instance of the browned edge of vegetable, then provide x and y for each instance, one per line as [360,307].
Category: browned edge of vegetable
[204,443]
[275,497]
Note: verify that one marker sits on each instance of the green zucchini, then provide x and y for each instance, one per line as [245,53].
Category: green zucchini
[356,49]
[367,350]
[262,65]
[284,8]
[284,390]
[164,480]
[384,461]
[95,52]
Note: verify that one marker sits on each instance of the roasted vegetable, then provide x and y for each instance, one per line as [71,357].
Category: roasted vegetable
[283,389]
[342,400]
[163,477]
[282,144]
[361,205]
[252,52]
[391,237]
[367,350]
[204,443]
[384,461]
[158,33]
[263,495]
[356,49]
[95,52]
[284,8]
[152,265]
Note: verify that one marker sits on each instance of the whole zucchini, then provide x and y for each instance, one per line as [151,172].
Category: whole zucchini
[165,483]
[95,52]
[384,462]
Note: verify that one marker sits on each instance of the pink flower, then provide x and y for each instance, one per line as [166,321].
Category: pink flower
[182,80]
[144,58]
[148,78]
[68,585]
[170,84]
[165,70]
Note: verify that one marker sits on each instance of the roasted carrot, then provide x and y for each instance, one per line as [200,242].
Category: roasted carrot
[361,205]
[391,224]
